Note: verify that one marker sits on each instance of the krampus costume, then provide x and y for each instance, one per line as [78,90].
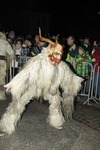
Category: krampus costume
[42,76]
[6,55]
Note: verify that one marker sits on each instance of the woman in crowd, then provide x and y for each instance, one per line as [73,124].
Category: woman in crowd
[96,65]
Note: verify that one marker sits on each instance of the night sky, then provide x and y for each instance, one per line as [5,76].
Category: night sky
[79,17]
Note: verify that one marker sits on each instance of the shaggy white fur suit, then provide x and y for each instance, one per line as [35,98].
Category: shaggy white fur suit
[40,78]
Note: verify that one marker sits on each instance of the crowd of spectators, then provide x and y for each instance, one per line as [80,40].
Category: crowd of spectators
[85,58]
[84,50]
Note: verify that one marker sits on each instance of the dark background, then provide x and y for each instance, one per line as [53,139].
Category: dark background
[79,18]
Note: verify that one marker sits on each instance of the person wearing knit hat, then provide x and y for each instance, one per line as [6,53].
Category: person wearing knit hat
[82,68]
[83,48]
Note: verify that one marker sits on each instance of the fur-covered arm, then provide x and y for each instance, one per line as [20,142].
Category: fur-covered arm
[70,86]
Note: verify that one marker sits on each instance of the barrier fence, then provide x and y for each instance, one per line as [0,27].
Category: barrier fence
[91,87]
[91,74]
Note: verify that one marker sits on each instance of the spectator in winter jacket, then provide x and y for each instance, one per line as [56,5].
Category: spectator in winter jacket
[87,43]
[82,59]
[96,66]
[72,50]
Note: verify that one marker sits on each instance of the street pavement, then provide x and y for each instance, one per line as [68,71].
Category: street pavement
[34,133]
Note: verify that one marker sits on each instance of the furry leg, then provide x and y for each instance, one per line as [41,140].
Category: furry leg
[12,115]
[68,106]
[55,118]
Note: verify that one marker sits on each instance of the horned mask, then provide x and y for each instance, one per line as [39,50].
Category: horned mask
[55,50]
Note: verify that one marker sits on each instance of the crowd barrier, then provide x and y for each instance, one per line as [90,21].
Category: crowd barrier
[18,63]
[94,87]
[23,60]
[91,85]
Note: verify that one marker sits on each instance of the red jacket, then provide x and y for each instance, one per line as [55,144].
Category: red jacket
[96,55]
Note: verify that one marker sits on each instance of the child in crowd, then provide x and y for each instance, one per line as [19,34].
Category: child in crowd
[81,59]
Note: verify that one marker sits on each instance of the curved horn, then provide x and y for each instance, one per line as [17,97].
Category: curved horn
[57,38]
[39,31]
[45,39]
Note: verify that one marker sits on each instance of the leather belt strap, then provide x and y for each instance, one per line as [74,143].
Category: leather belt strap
[2,57]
